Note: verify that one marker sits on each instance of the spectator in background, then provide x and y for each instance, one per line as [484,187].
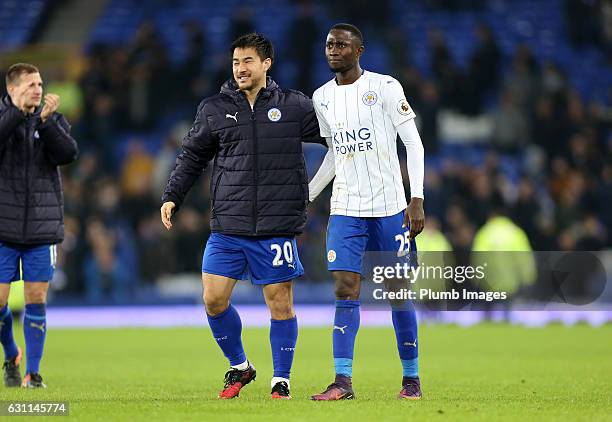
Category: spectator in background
[164,162]
[526,209]
[446,74]
[583,155]
[78,183]
[550,130]
[482,74]
[156,254]
[190,230]
[486,60]
[499,245]
[428,106]
[241,24]
[481,186]
[554,83]
[510,126]
[568,209]
[590,234]
[304,36]
[580,23]
[149,86]
[109,269]
[71,256]
[460,233]
[395,39]
[190,71]
[104,125]
[196,50]
[95,85]
[522,81]
[136,177]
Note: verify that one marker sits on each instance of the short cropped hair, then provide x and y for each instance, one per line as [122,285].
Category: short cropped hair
[350,28]
[261,44]
[15,71]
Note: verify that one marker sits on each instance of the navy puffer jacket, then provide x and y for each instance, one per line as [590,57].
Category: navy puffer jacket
[31,197]
[259,184]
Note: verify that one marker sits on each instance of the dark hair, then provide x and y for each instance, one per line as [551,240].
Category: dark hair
[15,71]
[261,44]
[350,28]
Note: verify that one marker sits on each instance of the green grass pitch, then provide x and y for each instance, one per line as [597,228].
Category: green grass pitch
[485,372]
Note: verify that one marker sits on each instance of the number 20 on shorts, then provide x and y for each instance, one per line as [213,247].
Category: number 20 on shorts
[286,251]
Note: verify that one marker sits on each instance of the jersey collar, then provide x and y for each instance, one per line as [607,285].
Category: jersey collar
[363,74]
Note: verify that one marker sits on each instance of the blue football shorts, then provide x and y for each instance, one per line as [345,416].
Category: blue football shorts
[263,260]
[37,262]
[349,238]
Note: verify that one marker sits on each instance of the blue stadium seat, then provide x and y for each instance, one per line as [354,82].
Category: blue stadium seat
[27,13]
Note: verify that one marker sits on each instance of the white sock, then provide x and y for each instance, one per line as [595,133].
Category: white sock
[276,380]
[244,365]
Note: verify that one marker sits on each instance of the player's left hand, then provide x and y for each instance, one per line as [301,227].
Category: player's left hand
[52,102]
[415,216]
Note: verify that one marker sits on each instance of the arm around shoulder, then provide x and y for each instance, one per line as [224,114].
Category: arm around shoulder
[310,124]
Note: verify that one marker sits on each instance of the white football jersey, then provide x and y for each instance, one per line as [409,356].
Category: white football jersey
[361,120]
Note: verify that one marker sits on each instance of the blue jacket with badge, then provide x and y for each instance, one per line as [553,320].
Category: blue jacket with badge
[31,197]
[259,184]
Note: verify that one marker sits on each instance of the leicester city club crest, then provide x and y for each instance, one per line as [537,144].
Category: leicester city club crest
[370,98]
[331,255]
[274,114]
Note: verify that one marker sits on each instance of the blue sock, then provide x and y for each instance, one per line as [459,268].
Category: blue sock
[346,325]
[227,330]
[6,333]
[405,325]
[283,337]
[34,331]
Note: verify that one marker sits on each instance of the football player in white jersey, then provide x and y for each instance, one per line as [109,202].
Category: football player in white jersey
[360,114]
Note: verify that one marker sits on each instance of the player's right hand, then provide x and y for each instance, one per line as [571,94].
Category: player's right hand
[20,98]
[415,217]
[166,214]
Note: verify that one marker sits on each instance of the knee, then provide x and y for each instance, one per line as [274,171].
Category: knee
[215,304]
[281,310]
[347,288]
[280,304]
[35,297]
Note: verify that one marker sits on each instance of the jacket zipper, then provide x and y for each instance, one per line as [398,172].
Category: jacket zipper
[255,164]
[256,169]
[27,180]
